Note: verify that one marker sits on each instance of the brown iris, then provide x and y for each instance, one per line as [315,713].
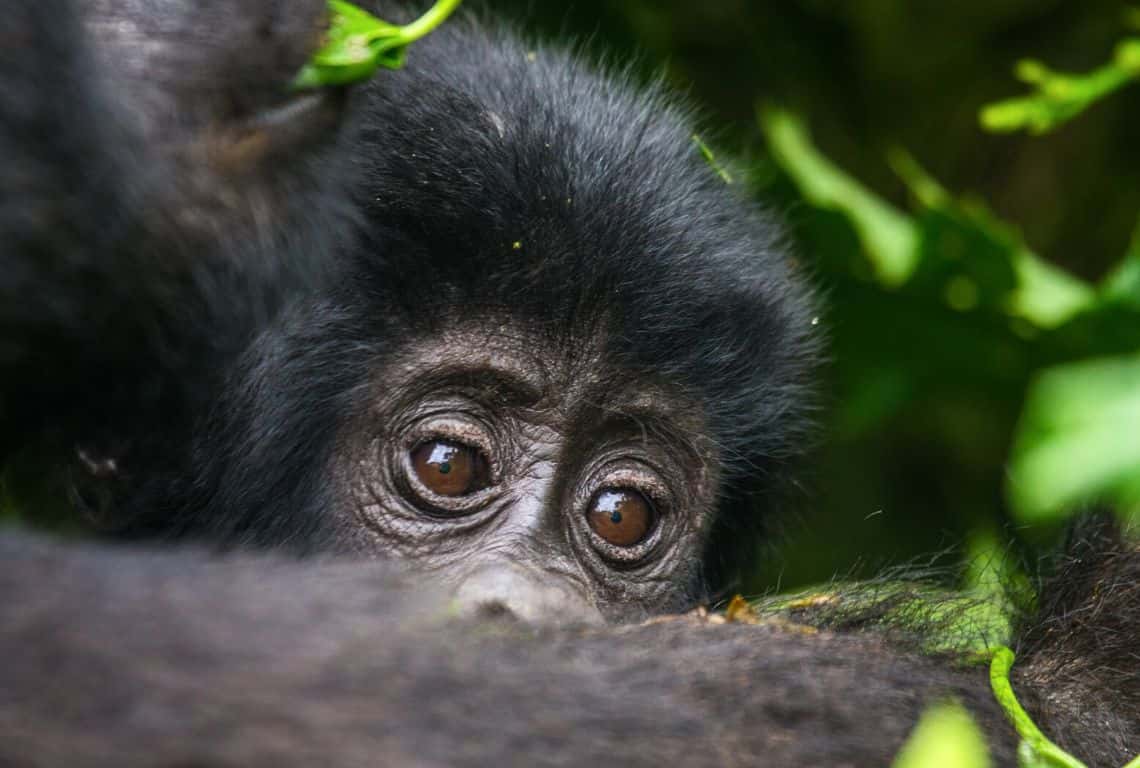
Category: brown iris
[621,517]
[450,469]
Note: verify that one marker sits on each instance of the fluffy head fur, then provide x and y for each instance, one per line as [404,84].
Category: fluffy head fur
[493,177]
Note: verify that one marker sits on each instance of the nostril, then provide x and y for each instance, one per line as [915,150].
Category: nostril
[494,609]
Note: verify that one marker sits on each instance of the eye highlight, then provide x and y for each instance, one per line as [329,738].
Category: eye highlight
[621,517]
[450,469]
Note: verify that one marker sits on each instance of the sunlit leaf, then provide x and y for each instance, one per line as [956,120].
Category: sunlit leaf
[357,44]
[964,246]
[1077,437]
[955,249]
[1058,97]
[1035,749]
[1123,283]
[967,623]
[946,736]
[1045,294]
[993,576]
[889,237]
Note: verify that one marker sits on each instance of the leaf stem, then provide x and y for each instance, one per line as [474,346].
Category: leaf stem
[1046,752]
[431,19]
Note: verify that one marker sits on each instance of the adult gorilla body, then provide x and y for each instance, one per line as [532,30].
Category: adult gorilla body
[119,657]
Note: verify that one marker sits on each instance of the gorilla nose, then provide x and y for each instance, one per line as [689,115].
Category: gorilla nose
[533,597]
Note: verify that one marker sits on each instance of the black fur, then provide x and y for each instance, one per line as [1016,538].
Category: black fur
[160,296]
[622,227]
[485,176]
[138,260]
[1080,648]
[132,657]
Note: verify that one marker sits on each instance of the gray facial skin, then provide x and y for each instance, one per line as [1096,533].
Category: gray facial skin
[558,427]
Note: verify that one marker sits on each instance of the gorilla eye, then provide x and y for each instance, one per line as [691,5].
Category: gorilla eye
[450,469]
[621,517]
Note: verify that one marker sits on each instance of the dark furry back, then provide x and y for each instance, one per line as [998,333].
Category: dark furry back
[135,658]
[62,197]
[134,265]
[1080,655]
[125,657]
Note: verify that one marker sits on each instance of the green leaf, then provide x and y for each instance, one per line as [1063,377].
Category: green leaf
[945,736]
[1035,750]
[357,44]
[955,249]
[889,237]
[1047,295]
[1077,437]
[710,158]
[966,623]
[1122,285]
[1059,97]
[996,579]
[974,258]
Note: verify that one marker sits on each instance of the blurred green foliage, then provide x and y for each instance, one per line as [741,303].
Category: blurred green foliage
[947,736]
[981,289]
[1060,97]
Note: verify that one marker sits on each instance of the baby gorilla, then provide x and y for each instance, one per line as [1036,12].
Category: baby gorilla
[554,358]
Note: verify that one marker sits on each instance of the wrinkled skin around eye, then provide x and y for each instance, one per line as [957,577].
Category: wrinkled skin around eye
[532,475]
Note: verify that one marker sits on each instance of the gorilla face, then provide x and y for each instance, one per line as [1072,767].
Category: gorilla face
[491,313]
[532,472]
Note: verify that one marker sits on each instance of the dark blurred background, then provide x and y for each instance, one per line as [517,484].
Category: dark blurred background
[923,400]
